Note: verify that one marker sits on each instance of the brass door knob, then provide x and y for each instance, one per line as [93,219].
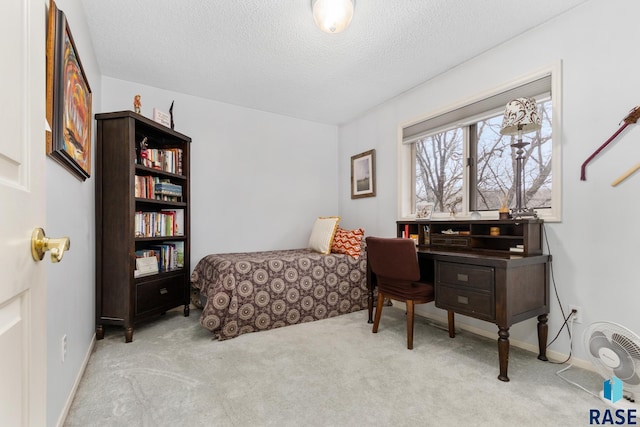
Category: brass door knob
[40,244]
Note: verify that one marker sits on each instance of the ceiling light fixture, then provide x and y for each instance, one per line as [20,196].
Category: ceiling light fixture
[332,16]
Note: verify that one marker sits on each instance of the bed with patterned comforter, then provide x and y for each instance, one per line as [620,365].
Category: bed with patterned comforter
[255,291]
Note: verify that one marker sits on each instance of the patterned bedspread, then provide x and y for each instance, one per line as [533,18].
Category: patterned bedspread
[248,292]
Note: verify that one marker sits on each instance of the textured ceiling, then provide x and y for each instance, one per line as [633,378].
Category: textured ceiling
[269,55]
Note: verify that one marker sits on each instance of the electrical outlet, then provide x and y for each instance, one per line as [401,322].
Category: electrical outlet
[64,347]
[577,316]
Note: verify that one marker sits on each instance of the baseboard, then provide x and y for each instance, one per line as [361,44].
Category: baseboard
[552,355]
[67,406]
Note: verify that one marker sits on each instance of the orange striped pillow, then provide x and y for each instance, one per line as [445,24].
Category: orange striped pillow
[347,242]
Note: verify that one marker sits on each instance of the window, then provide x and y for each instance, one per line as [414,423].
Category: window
[459,162]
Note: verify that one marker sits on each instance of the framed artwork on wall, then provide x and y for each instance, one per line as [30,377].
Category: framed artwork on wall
[363,175]
[68,99]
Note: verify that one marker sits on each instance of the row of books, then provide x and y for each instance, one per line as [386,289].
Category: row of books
[167,159]
[168,222]
[159,258]
[152,187]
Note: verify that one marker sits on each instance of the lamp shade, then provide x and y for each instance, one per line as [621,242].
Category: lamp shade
[520,115]
[332,16]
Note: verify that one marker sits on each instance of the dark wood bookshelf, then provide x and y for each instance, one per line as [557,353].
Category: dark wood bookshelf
[122,299]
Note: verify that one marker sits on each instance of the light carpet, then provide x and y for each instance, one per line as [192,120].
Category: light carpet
[332,372]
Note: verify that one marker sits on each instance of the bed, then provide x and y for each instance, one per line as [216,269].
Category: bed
[255,291]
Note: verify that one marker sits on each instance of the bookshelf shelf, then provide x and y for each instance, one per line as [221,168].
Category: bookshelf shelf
[159,203]
[138,164]
[145,170]
[163,274]
[159,238]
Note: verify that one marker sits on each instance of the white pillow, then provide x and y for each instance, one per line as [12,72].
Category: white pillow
[322,233]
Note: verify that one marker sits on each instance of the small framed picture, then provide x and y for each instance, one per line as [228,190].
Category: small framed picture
[424,210]
[363,175]
[161,117]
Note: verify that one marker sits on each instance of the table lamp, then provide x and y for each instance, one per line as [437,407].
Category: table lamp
[520,117]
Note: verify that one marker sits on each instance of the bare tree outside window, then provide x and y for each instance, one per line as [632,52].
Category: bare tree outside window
[440,167]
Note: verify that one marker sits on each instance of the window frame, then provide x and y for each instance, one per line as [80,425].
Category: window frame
[406,150]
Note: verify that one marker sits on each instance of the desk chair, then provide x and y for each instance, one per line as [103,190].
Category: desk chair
[394,261]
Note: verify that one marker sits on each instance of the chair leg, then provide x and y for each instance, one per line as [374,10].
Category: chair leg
[452,324]
[379,305]
[410,324]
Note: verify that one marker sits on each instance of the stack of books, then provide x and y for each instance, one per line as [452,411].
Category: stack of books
[168,191]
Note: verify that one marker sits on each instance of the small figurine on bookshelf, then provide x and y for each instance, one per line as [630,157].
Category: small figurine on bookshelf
[171,114]
[137,104]
[142,152]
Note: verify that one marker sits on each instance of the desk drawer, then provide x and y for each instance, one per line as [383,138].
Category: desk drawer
[470,276]
[159,294]
[447,240]
[475,304]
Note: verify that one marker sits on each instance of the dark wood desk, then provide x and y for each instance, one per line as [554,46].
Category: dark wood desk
[503,289]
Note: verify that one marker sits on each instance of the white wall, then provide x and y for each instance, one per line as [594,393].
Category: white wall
[259,180]
[595,247]
[70,212]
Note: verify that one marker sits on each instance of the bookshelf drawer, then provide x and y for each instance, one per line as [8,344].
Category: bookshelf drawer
[475,304]
[159,294]
[470,276]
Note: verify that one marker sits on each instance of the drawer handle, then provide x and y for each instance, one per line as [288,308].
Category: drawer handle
[463,300]
[163,291]
[463,277]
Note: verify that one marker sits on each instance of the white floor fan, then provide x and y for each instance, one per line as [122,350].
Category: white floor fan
[615,350]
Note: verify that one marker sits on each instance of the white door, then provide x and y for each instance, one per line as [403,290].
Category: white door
[22,208]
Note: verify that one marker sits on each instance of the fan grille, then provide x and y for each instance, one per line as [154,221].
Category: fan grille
[614,350]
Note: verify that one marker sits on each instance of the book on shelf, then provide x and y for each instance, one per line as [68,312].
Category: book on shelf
[517,248]
[180,254]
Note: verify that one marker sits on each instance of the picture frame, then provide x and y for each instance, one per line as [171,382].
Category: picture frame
[424,210]
[161,117]
[69,99]
[363,175]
